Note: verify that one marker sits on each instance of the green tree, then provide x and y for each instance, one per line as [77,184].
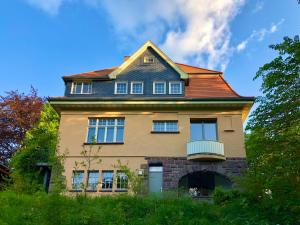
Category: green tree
[39,146]
[273,142]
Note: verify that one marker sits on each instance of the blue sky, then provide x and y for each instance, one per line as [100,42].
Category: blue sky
[42,40]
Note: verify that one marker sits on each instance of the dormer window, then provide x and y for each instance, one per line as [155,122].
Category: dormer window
[175,88]
[136,87]
[159,87]
[81,87]
[148,59]
[121,88]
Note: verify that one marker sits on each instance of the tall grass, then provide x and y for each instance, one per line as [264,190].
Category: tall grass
[42,209]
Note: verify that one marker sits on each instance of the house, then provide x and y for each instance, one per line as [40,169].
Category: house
[177,125]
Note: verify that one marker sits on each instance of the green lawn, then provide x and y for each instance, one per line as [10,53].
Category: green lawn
[42,209]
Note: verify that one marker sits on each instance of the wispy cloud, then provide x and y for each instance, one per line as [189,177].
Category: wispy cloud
[193,31]
[258,6]
[258,35]
[49,6]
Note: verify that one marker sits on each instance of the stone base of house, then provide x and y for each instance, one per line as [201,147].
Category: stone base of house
[174,168]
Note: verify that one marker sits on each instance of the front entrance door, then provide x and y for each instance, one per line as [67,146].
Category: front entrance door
[155,179]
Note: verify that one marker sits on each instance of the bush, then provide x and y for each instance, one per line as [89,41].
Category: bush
[221,196]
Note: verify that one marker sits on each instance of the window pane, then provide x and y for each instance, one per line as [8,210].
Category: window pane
[111,122]
[172,126]
[159,126]
[159,88]
[77,88]
[101,132]
[102,121]
[196,131]
[92,122]
[120,134]
[175,88]
[77,180]
[120,122]
[107,179]
[121,88]
[210,132]
[137,88]
[91,135]
[86,88]
[110,134]
[93,180]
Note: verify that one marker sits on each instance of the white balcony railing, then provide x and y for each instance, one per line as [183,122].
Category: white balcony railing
[205,148]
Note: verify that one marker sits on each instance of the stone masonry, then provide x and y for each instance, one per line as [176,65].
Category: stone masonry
[176,167]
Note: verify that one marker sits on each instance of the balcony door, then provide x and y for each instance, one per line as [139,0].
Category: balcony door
[203,130]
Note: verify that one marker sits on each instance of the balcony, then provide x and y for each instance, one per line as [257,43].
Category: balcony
[205,151]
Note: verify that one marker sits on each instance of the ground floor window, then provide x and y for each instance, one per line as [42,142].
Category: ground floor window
[122,181]
[93,177]
[77,180]
[107,180]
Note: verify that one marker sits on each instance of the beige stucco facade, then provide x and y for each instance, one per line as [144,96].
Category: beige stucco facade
[140,142]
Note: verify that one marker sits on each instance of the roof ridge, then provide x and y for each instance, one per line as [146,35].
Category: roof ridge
[228,85]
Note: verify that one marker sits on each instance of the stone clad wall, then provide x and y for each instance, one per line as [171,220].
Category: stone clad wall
[176,167]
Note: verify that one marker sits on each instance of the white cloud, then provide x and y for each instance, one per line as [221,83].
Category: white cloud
[194,31]
[258,6]
[258,35]
[190,31]
[49,6]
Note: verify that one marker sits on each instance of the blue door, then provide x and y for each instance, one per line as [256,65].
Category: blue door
[155,179]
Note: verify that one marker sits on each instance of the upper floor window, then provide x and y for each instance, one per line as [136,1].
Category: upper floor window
[93,177]
[77,180]
[106,130]
[159,87]
[136,87]
[81,88]
[148,59]
[175,87]
[165,126]
[203,130]
[121,88]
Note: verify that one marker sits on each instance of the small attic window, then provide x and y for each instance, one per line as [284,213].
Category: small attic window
[148,59]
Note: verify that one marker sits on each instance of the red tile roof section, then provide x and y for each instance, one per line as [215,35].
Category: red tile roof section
[92,74]
[196,70]
[208,86]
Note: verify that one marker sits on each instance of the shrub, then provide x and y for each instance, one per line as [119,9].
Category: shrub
[221,195]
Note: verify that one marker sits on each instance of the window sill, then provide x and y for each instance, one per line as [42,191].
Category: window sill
[104,143]
[121,190]
[106,190]
[91,190]
[165,132]
[73,190]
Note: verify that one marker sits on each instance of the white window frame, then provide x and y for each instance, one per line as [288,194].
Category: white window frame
[156,82]
[165,126]
[136,82]
[121,82]
[97,126]
[81,89]
[175,82]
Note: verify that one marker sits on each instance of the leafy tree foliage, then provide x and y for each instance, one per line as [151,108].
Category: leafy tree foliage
[18,114]
[39,146]
[273,145]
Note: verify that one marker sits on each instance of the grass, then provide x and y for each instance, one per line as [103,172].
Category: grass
[42,209]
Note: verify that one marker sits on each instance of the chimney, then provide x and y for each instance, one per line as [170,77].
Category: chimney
[126,57]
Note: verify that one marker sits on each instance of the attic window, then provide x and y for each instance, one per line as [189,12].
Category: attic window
[148,60]
[81,88]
